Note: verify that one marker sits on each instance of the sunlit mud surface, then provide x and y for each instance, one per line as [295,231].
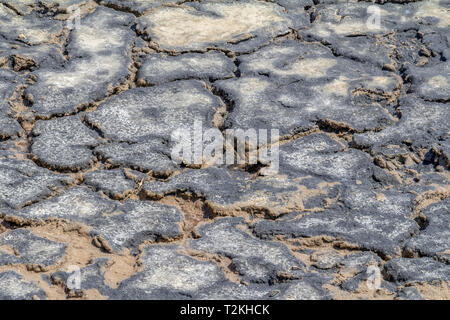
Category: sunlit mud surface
[93,205]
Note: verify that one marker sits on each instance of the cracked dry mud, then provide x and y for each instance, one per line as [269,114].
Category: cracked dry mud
[87,181]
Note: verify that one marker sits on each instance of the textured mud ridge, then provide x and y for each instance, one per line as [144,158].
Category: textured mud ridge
[92,205]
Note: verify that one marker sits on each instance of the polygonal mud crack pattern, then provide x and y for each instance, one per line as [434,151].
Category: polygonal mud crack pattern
[88,186]
[115,225]
[154,112]
[237,26]
[9,127]
[23,182]
[158,68]
[361,227]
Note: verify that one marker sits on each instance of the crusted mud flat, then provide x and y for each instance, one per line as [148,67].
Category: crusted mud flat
[93,207]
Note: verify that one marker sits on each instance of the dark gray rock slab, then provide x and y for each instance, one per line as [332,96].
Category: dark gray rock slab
[212,65]
[9,127]
[416,270]
[232,192]
[239,26]
[155,111]
[23,182]
[255,260]
[64,143]
[432,241]
[169,274]
[30,249]
[152,156]
[420,124]
[14,287]
[112,182]
[381,227]
[99,61]
[119,225]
